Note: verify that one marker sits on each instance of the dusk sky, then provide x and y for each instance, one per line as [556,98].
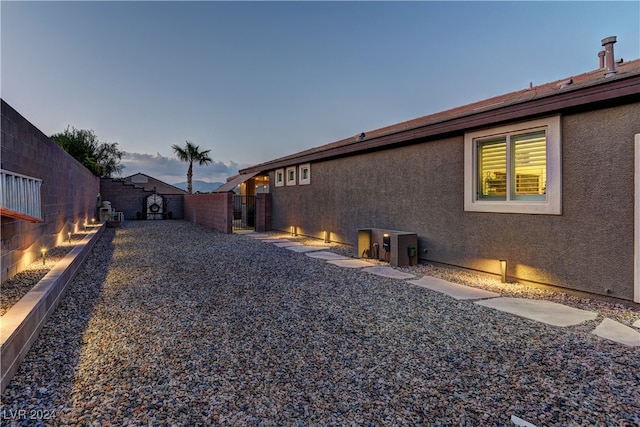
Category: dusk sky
[254,81]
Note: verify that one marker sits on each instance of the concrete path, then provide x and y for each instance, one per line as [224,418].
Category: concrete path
[303,248]
[351,263]
[454,290]
[287,243]
[539,310]
[381,270]
[615,331]
[547,312]
[325,255]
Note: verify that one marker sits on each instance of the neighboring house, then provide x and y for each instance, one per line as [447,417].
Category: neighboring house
[542,178]
[140,196]
[150,183]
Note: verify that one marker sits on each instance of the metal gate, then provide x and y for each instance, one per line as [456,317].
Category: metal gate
[244,212]
[155,207]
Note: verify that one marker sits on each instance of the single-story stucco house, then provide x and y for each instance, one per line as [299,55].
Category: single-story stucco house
[545,178]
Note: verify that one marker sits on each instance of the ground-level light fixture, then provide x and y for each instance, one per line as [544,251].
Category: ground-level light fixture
[69,234]
[327,238]
[93,220]
[503,270]
[43,251]
[293,230]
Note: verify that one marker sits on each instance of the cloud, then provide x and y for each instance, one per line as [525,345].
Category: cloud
[172,170]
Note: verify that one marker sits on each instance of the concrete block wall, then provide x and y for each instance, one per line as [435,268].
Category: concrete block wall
[213,210]
[129,198]
[68,193]
[263,212]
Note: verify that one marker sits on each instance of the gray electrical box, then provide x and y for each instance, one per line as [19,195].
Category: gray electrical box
[388,245]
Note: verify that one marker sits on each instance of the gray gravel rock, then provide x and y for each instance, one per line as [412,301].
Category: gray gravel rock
[17,286]
[169,323]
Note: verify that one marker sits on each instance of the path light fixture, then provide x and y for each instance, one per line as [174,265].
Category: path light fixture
[327,238]
[503,270]
[93,221]
[43,251]
[293,230]
[69,234]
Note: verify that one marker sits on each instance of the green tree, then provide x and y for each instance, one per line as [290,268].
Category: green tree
[101,158]
[191,153]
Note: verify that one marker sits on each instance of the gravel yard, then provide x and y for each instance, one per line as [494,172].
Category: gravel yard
[17,287]
[169,323]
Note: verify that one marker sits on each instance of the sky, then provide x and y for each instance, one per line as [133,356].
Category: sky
[255,81]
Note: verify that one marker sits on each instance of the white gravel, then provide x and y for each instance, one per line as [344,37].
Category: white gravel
[169,323]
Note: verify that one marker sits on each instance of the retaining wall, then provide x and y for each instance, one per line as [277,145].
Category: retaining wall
[21,324]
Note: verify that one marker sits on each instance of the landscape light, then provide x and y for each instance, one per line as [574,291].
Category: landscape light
[69,234]
[44,254]
[503,270]
[327,238]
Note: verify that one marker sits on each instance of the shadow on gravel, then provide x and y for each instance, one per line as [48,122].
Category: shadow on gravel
[45,377]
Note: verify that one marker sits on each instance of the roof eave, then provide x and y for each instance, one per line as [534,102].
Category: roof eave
[622,90]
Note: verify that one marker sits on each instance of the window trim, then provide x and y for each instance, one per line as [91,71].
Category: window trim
[301,179]
[290,181]
[279,182]
[553,203]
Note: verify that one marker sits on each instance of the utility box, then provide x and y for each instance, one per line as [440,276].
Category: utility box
[399,248]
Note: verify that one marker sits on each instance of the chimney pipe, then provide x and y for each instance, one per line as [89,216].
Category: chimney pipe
[601,57]
[609,59]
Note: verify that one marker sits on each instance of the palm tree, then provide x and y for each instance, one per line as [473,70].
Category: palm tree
[191,153]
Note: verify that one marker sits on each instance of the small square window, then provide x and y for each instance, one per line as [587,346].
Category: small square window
[304,174]
[291,175]
[279,177]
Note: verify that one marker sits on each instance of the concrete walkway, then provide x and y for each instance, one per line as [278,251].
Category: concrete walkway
[547,312]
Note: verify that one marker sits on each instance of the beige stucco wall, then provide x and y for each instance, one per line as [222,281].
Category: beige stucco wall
[420,188]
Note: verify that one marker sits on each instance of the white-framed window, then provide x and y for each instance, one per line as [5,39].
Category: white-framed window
[304,174]
[279,177]
[291,175]
[514,168]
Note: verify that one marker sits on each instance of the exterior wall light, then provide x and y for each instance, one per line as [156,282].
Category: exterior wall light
[43,251]
[503,270]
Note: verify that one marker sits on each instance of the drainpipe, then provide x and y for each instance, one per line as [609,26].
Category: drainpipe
[609,58]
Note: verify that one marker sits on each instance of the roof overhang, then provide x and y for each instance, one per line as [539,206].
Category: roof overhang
[235,181]
[618,92]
